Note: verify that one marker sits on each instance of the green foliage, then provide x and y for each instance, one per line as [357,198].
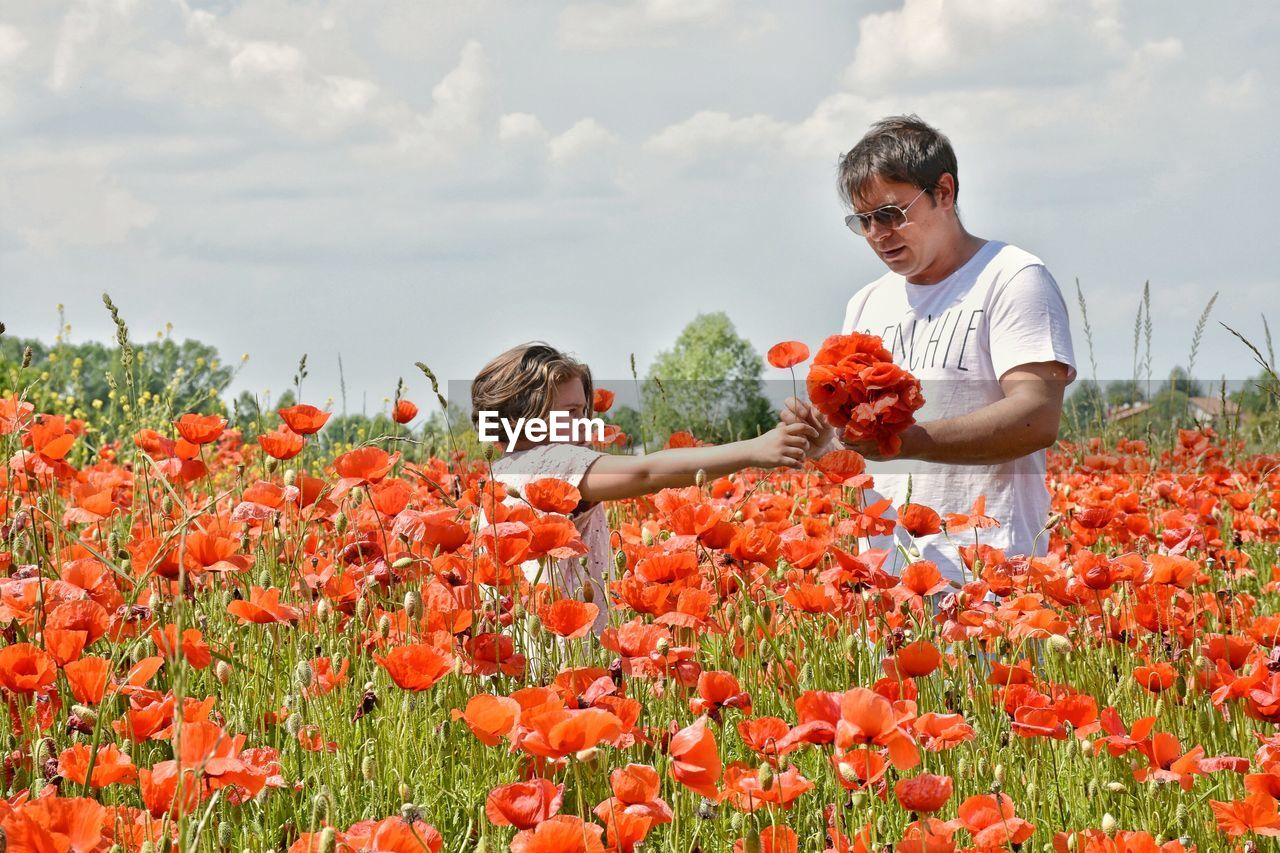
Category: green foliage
[90,380]
[1126,392]
[1084,412]
[709,383]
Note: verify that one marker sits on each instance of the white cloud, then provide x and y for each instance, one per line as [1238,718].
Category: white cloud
[12,43]
[73,206]
[711,131]
[601,26]
[953,42]
[584,159]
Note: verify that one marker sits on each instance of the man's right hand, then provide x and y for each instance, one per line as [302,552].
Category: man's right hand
[796,411]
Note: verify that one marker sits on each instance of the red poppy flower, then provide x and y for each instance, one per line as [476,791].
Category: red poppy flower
[110,765]
[846,467]
[552,495]
[923,794]
[560,834]
[200,429]
[489,717]
[601,400]
[695,759]
[263,607]
[26,669]
[417,666]
[524,805]
[304,419]
[404,411]
[919,520]
[568,617]
[282,444]
[787,354]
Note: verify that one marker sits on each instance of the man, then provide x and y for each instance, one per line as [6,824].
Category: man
[984,327]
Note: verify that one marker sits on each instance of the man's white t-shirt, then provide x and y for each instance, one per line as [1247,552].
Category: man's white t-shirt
[959,336]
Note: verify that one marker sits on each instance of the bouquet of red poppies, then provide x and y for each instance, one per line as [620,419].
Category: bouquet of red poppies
[855,384]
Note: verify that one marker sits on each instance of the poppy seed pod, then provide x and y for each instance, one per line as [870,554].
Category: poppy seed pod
[766,777]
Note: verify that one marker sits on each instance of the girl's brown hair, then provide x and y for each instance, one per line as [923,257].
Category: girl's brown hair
[521,383]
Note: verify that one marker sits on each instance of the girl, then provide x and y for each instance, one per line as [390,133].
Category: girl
[532,381]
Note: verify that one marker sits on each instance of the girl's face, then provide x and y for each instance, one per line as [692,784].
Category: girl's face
[571,397]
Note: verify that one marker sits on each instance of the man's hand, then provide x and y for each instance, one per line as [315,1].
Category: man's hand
[796,411]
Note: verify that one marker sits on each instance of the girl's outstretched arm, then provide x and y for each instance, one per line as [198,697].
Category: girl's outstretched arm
[618,477]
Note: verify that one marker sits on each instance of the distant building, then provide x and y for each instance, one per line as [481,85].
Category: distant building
[1208,409]
[1202,410]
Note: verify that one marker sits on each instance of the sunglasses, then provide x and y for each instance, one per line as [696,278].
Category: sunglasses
[890,216]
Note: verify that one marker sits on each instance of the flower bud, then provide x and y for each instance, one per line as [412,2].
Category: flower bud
[226,834]
[646,536]
[1059,644]
[402,563]
[369,768]
[1109,823]
[290,476]
[700,478]
[303,674]
[588,755]
[766,777]
[413,604]
[1117,788]
[588,592]
[328,840]
[663,646]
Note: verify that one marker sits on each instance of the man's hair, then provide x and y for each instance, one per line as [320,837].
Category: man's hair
[521,383]
[903,149]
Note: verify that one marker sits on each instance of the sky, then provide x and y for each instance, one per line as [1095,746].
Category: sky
[393,181]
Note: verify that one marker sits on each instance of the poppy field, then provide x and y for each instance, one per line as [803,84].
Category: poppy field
[217,641]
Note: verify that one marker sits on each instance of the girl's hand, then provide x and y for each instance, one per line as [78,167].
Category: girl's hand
[783,446]
[796,411]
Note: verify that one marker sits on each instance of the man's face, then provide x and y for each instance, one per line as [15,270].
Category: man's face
[911,249]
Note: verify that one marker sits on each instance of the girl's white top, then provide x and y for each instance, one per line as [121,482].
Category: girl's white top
[568,462]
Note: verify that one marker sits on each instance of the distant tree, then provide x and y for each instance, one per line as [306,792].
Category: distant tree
[1085,408]
[1125,392]
[628,420]
[1180,381]
[709,383]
